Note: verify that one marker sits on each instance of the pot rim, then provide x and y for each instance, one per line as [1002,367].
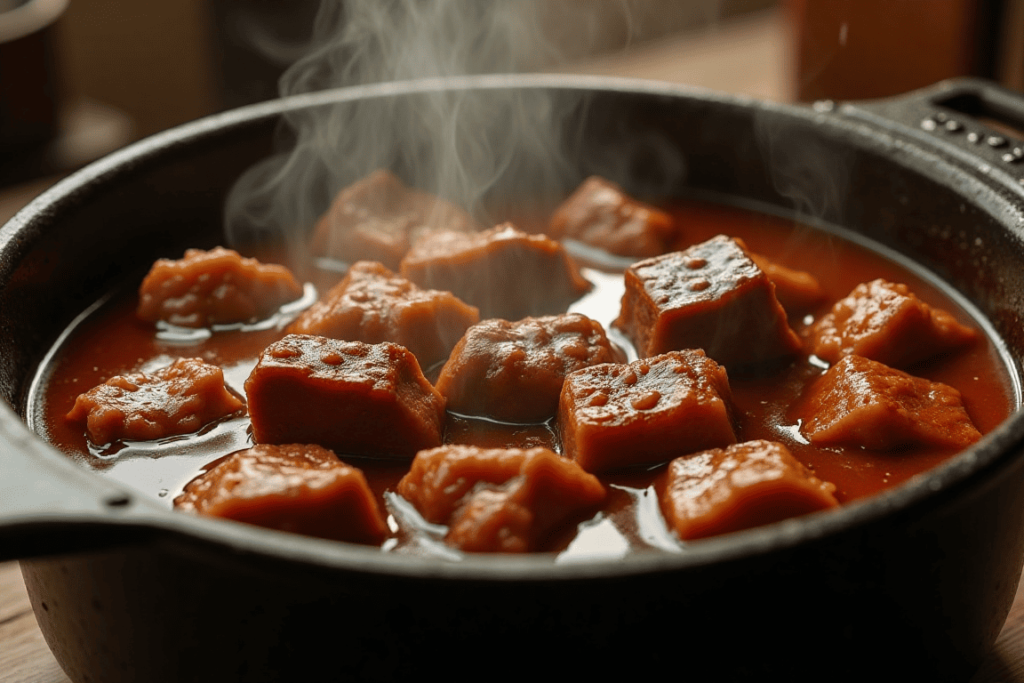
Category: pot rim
[994,450]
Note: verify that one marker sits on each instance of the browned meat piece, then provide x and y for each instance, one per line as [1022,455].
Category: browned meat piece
[177,399]
[504,272]
[303,489]
[498,500]
[865,404]
[713,297]
[214,287]
[378,218]
[885,321]
[742,486]
[351,397]
[599,213]
[514,371]
[613,416]
[373,305]
[798,291]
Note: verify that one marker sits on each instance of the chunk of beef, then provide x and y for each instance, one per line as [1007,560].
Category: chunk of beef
[613,416]
[862,403]
[499,500]
[351,397]
[378,218]
[745,485]
[600,214]
[504,272]
[214,287]
[373,305]
[713,297]
[885,321]
[302,489]
[177,399]
[514,371]
[797,290]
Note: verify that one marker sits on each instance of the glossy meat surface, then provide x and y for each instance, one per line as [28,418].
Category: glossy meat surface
[379,217]
[613,416]
[351,397]
[797,290]
[514,371]
[600,214]
[498,500]
[861,402]
[214,287]
[711,296]
[373,304]
[741,486]
[504,272]
[177,399]
[298,488]
[886,322]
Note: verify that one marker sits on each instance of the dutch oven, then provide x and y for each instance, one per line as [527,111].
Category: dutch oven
[914,583]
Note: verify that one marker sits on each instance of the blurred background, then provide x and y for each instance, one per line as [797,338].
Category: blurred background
[81,78]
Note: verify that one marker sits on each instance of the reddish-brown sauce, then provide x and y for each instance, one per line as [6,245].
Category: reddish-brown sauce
[113,341]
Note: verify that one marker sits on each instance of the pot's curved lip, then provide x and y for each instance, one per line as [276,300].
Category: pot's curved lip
[993,450]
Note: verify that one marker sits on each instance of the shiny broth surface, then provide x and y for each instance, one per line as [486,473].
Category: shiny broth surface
[110,340]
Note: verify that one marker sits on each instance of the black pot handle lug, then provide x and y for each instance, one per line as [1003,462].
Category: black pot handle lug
[981,120]
[49,505]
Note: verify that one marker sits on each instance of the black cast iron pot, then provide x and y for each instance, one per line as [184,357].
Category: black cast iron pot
[913,584]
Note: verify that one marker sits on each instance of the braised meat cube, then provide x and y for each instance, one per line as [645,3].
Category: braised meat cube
[797,290]
[713,297]
[214,287]
[745,485]
[885,321]
[514,371]
[303,489]
[862,403]
[378,218]
[600,214]
[351,397]
[441,477]
[177,399]
[613,416]
[498,500]
[504,272]
[373,305]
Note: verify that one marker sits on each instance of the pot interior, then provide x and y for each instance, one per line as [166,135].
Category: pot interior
[104,226]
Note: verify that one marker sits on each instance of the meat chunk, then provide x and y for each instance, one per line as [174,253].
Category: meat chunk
[498,500]
[885,321]
[613,416]
[713,297]
[862,403]
[504,272]
[214,287]
[745,485]
[177,399]
[514,371]
[797,290]
[303,489]
[378,218]
[600,214]
[351,397]
[373,305]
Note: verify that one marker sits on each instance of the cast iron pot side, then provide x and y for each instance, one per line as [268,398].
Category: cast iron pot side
[914,584]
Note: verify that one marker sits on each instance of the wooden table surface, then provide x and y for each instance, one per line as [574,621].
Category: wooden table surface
[747,57]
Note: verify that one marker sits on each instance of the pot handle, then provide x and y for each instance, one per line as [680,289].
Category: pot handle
[49,505]
[972,115]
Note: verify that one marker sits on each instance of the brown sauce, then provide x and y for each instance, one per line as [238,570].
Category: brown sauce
[111,341]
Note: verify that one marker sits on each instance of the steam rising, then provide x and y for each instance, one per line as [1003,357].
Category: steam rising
[455,143]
